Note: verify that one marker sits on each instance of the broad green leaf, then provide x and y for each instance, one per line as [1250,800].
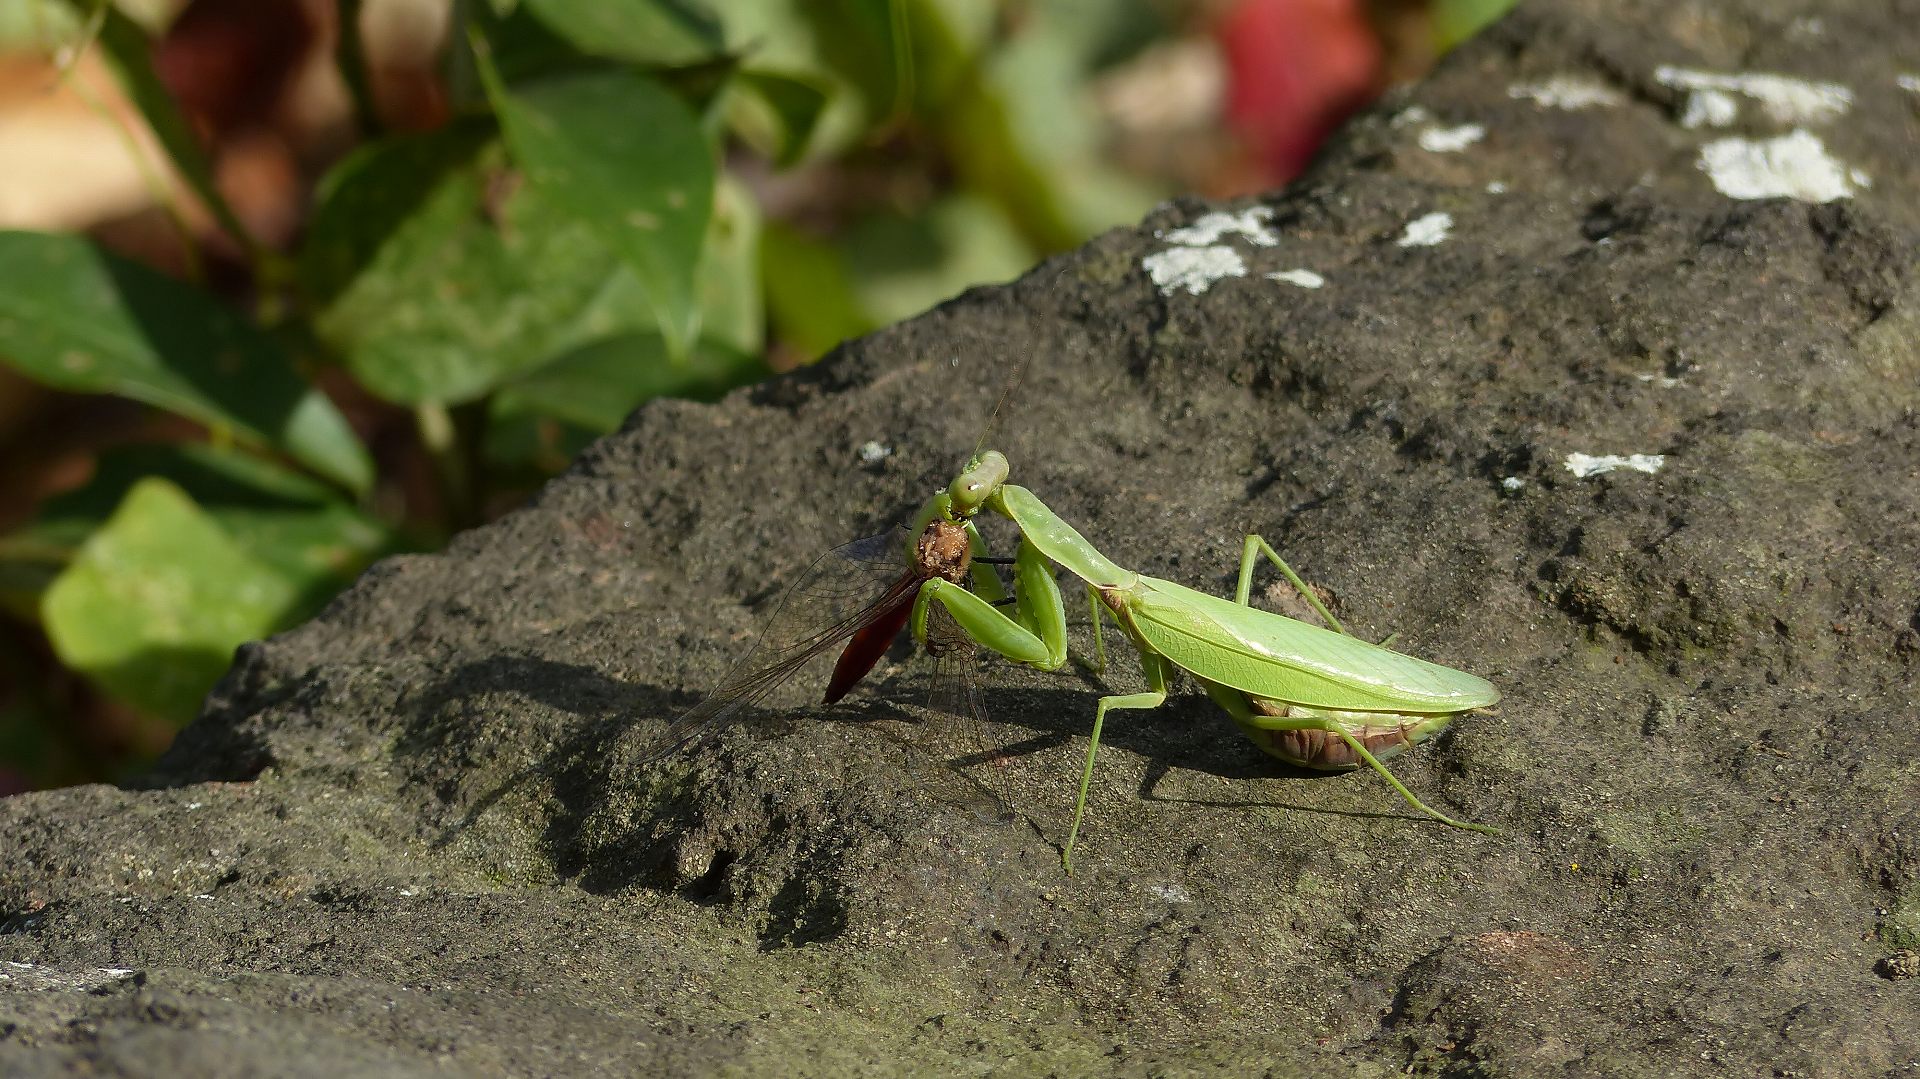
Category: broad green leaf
[481,280]
[777,112]
[297,527]
[617,152]
[905,265]
[1454,21]
[810,296]
[370,197]
[870,44]
[130,53]
[652,33]
[77,318]
[596,386]
[732,311]
[156,601]
[37,25]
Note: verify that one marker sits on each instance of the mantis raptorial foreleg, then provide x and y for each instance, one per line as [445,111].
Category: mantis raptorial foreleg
[1035,634]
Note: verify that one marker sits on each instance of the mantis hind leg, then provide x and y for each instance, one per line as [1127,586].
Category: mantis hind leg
[1374,763]
[1157,677]
[1236,704]
[1257,545]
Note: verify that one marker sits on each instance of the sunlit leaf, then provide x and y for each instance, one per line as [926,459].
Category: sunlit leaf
[156,601]
[479,280]
[370,197]
[295,526]
[1454,21]
[778,112]
[654,33]
[809,291]
[77,318]
[617,152]
[596,386]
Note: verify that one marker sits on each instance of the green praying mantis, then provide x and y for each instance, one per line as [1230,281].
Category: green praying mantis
[1316,697]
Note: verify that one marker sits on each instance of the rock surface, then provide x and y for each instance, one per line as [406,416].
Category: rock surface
[413,836]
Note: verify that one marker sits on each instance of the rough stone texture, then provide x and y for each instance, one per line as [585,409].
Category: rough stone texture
[411,837]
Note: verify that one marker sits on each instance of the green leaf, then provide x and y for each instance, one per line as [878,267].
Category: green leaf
[157,600]
[479,280]
[297,527]
[1454,21]
[130,53]
[904,265]
[652,33]
[596,386]
[373,194]
[732,311]
[777,112]
[810,292]
[869,43]
[616,151]
[77,318]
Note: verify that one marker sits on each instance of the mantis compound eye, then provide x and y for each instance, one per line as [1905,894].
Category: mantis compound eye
[982,476]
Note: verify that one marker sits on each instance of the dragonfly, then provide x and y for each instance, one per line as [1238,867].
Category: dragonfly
[860,597]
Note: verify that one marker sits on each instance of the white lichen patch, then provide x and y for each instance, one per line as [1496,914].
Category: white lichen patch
[1908,82]
[1709,108]
[1412,114]
[1571,92]
[1666,382]
[1171,893]
[1794,166]
[1211,228]
[1513,483]
[1428,230]
[27,977]
[873,452]
[1194,269]
[1496,188]
[1584,465]
[1451,140]
[1784,99]
[1303,278]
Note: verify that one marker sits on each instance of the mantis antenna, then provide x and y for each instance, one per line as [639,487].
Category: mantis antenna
[993,418]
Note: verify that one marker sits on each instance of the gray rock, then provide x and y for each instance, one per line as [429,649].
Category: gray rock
[414,837]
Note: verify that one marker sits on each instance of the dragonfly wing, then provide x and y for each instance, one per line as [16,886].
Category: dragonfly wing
[845,590]
[955,693]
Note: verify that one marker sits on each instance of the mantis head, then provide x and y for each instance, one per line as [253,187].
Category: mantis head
[977,482]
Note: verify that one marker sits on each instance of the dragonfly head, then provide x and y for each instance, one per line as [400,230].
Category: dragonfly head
[944,550]
[977,482]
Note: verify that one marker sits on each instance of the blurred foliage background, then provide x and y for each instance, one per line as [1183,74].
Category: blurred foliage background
[288,285]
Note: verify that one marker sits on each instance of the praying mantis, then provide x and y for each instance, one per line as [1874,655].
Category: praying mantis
[1312,696]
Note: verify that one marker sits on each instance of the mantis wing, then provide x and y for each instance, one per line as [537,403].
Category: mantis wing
[846,590]
[1271,655]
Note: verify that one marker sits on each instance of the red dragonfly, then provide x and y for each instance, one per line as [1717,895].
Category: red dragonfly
[861,593]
